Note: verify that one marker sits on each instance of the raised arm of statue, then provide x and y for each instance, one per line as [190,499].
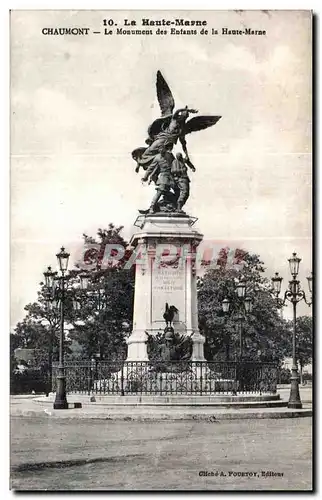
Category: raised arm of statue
[190,164]
[180,110]
[184,145]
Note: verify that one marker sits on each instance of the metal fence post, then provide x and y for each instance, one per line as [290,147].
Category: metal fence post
[89,379]
[201,378]
[161,383]
[122,380]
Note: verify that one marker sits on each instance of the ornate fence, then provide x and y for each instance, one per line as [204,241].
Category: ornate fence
[177,378]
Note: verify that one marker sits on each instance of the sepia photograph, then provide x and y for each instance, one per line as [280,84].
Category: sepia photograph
[161,224]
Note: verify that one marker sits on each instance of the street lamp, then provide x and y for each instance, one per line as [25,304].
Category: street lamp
[55,297]
[61,400]
[51,304]
[240,289]
[80,292]
[309,282]
[84,281]
[63,258]
[294,295]
[294,262]
[277,282]
[225,305]
[50,278]
[248,304]
[50,283]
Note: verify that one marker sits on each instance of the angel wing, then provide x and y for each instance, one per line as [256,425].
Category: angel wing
[165,96]
[199,123]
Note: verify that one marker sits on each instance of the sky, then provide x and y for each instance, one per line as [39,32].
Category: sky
[80,105]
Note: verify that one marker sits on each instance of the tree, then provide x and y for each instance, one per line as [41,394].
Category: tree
[262,329]
[14,344]
[304,342]
[98,328]
[39,331]
[105,316]
[304,333]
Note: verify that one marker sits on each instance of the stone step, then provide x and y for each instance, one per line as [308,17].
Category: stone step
[175,401]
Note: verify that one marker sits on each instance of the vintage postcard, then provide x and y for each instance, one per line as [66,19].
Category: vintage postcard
[161,250]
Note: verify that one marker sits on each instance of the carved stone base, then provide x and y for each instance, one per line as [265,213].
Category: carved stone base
[165,274]
[137,347]
[198,341]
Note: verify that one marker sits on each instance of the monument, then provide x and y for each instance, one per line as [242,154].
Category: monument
[166,242]
[165,362]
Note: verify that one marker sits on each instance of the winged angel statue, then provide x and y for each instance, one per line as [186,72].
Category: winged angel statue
[169,173]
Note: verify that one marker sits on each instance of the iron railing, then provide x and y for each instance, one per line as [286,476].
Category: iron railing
[177,378]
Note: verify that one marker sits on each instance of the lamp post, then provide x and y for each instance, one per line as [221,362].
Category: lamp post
[59,295]
[79,298]
[294,295]
[49,275]
[245,306]
[97,302]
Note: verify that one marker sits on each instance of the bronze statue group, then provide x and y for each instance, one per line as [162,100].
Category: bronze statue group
[168,346]
[169,172]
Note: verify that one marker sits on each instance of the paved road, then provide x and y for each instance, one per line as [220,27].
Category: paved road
[85,454]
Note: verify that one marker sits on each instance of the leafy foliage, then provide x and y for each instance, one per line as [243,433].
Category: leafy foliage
[263,329]
[99,326]
[304,334]
[284,376]
[105,316]
[39,330]
[304,341]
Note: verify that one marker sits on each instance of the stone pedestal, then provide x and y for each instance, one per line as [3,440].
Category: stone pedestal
[164,252]
[198,341]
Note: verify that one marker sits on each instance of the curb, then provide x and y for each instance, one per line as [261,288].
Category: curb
[153,417]
[127,406]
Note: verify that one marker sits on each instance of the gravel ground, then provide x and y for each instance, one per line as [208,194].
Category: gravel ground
[69,454]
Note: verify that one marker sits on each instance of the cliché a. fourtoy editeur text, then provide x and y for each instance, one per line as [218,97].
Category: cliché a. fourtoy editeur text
[262,473]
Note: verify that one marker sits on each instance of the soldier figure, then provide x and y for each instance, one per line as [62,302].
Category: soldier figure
[160,172]
[181,179]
